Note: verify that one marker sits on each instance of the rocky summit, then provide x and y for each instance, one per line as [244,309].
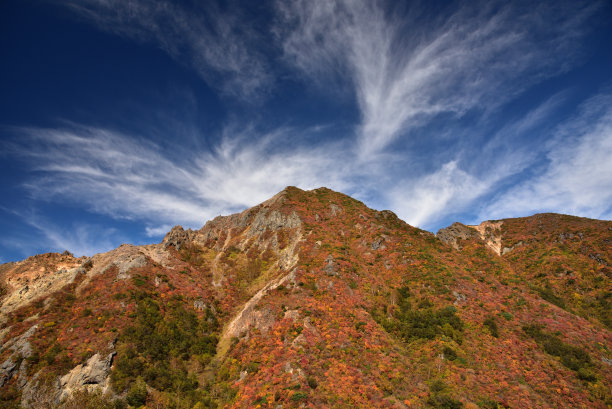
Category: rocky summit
[313,300]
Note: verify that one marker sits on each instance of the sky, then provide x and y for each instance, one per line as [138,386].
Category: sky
[122,118]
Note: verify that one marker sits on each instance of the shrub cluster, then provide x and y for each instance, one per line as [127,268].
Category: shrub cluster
[439,397]
[572,357]
[424,322]
[492,326]
[548,294]
[156,349]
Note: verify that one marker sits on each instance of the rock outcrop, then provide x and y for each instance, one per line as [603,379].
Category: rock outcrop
[21,350]
[94,374]
[490,232]
[177,237]
[456,232]
[35,277]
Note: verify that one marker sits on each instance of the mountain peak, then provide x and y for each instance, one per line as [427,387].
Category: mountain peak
[311,299]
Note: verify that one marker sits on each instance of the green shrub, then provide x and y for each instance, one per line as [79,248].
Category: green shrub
[252,367]
[548,294]
[139,281]
[298,396]
[137,394]
[490,404]
[312,382]
[492,326]
[571,356]
[449,353]
[437,386]
[157,348]
[51,354]
[444,402]
[587,375]
[423,323]
[429,324]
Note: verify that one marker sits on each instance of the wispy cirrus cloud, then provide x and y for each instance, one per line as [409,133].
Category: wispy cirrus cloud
[474,172]
[82,239]
[128,177]
[576,172]
[477,56]
[422,200]
[124,176]
[471,59]
[222,46]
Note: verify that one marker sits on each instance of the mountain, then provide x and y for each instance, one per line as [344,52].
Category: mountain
[313,300]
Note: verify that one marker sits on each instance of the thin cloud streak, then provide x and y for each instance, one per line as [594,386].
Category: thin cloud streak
[124,177]
[82,239]
[474,172]
[578,173]
[121,176]
[470,59]
[423,199]
[220,46]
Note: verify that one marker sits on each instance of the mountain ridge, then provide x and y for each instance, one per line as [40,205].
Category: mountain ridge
[291,302]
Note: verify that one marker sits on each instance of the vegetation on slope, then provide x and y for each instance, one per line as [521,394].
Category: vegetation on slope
[375,313]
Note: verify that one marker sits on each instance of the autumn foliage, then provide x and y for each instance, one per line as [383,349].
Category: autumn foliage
[350,308]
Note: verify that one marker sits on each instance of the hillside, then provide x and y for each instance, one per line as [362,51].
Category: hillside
[313,300]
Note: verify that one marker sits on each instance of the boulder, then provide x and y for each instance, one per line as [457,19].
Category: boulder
[91,375]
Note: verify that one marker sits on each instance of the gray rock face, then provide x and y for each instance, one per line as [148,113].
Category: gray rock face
[253,222]
[125,258]
[273,220]
[455,232]
[599,258]
[40,392]
[378,243]
[94,374]
[199,305]
[459,298]
[507,250]
[335,209]
[387,215]
[176,237]
[7,369]
[21,347]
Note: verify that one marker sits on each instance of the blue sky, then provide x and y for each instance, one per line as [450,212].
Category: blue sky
[120,119]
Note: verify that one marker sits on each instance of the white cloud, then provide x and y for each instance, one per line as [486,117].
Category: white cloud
[577,174]
[478,56]
[224,48]
[473,58]
[126,177]
[155,231]
[420,201]
[81,239]
[475,171]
